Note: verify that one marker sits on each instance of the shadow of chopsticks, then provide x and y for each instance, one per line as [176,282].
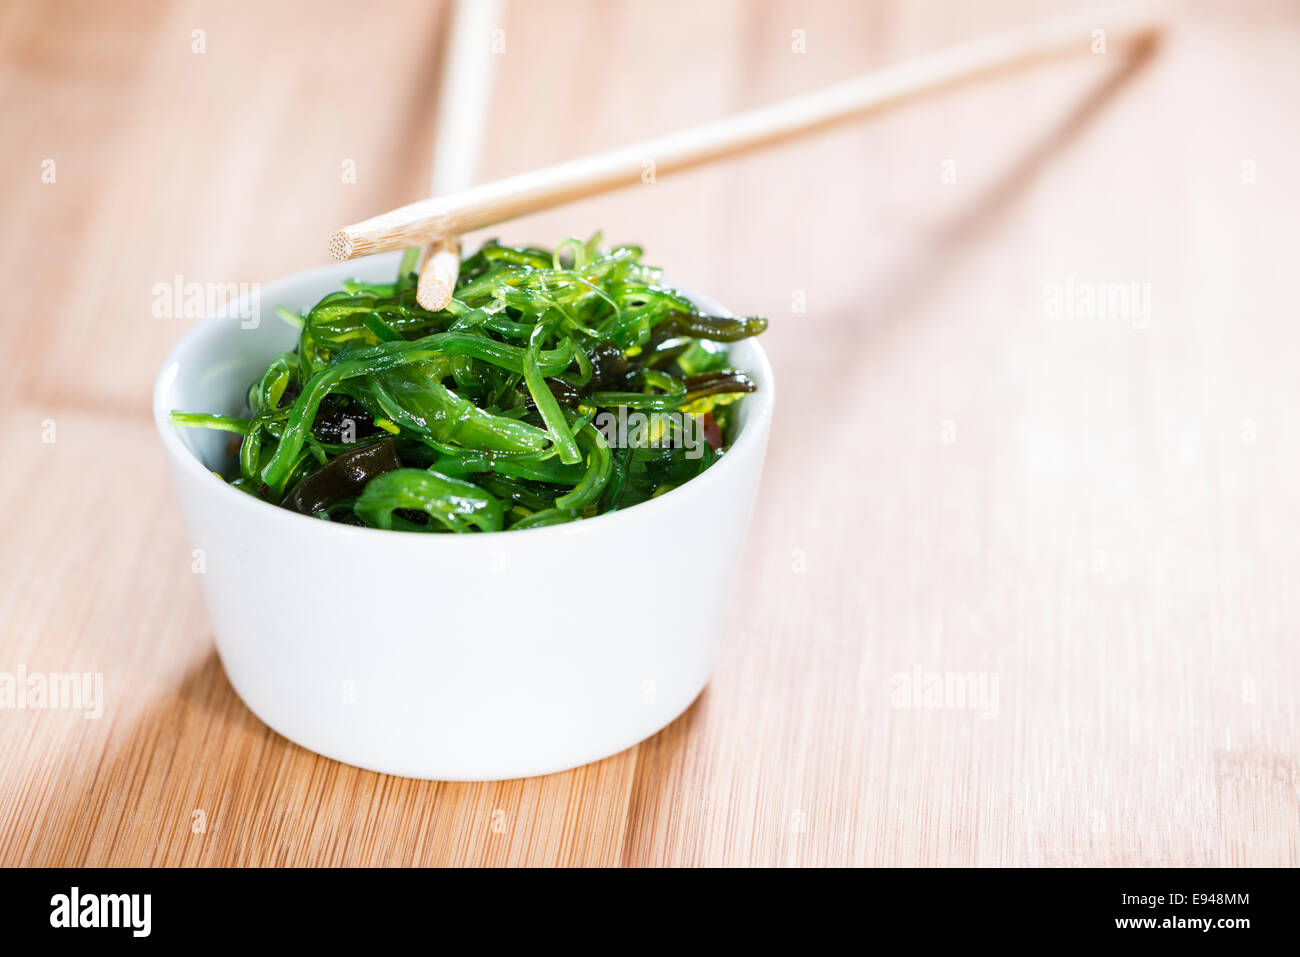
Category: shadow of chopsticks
[916,278]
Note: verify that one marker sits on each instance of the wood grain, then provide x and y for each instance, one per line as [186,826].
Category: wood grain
[1096,513]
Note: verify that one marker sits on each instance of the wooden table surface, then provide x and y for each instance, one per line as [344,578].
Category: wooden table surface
[1090,513]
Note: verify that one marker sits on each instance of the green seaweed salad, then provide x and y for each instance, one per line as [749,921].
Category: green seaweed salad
[556,385]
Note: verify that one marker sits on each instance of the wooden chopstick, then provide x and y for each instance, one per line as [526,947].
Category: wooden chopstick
[463,105]
[460,212]
[438,273]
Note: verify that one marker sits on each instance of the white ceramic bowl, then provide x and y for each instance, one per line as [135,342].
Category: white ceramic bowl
[455,657]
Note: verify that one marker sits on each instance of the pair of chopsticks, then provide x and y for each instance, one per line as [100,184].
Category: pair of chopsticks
[449,214]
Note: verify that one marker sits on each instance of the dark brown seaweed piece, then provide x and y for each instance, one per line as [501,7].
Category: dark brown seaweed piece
[713,383]
[342,477]
[336,411]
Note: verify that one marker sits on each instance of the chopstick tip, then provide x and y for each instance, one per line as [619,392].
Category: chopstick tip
[432,293]
[341,245]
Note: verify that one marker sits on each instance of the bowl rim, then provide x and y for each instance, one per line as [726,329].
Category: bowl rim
[758,417]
